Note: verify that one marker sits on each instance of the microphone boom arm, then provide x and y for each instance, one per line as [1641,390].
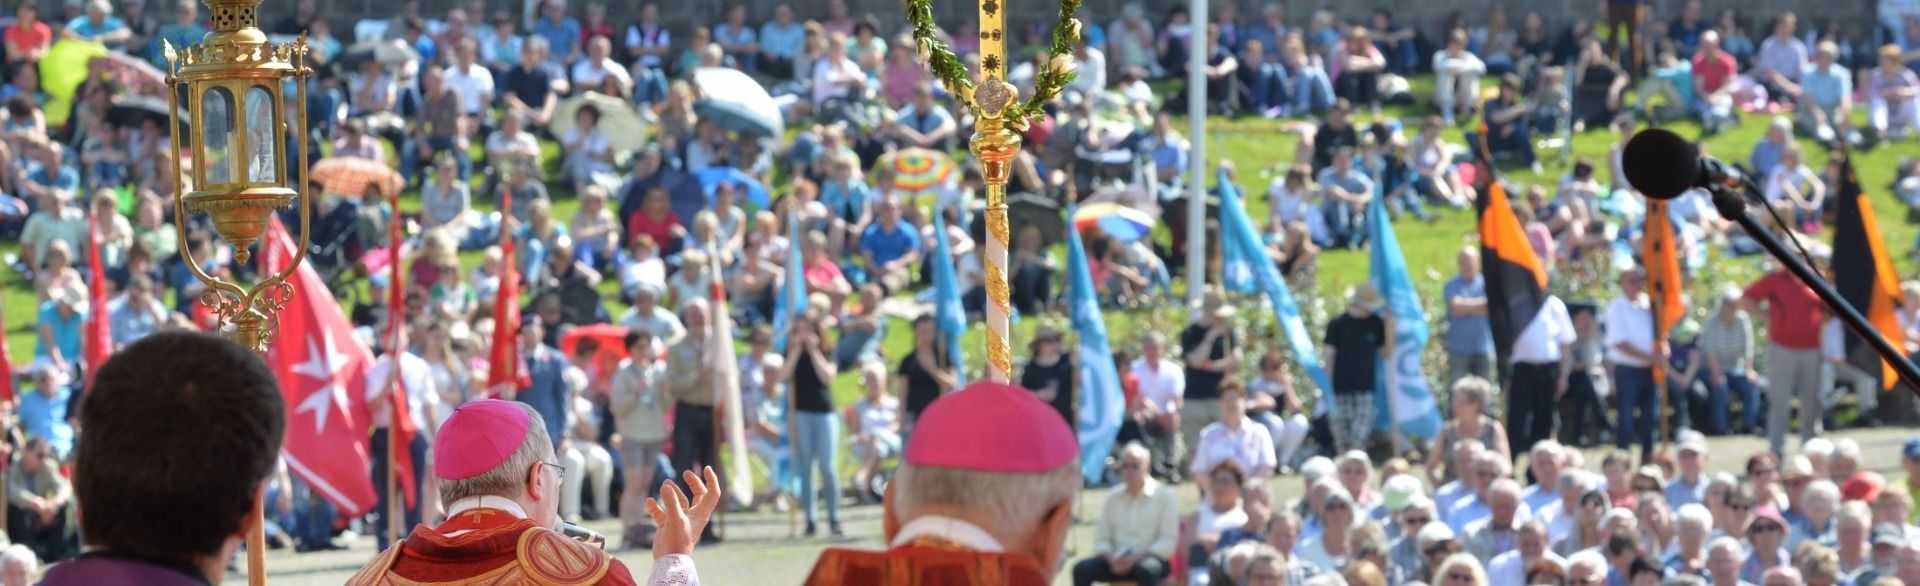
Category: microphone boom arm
[1733,207]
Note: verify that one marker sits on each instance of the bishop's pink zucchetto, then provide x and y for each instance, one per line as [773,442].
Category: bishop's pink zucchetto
[991,427]
[479,436]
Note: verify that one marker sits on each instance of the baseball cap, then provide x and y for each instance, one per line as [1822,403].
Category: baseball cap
[1889,534]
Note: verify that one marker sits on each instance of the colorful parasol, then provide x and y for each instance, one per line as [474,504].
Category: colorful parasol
[611,338]
[1121,222]
[920,176]
[356,177]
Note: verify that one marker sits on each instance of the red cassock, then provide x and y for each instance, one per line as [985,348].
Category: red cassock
[496,549]
[926,562]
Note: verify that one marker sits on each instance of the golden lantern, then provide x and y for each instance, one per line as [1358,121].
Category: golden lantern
[232,85]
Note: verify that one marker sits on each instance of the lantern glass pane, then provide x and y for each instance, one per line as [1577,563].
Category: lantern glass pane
[264,161]
[216,116]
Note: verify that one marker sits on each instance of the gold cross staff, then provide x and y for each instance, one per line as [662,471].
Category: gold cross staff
[999,117]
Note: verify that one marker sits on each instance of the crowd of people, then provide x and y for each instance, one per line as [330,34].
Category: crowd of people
[463,118]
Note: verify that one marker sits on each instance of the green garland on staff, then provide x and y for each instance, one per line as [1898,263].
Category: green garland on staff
[1047,83]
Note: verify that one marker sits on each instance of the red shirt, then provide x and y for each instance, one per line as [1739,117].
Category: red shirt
[28,39]
[1713,72]
[1794,313]
[661,229]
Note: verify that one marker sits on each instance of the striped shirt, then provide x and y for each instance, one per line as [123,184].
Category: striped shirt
[1732,342]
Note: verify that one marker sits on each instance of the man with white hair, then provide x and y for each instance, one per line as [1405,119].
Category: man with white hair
[18,566]
[1465,452]
[984,508]
[1137,529]
[1723,561]
[1693,524]
[1819,453]
[1588,568]
[1498,532]
[1510,566]
[1487,468]
[498,473]
[1545,463]
[1689,485]
[1560,516]
[1818,506]
[1845,461]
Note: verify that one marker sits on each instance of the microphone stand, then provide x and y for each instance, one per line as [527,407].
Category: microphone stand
[1733,206]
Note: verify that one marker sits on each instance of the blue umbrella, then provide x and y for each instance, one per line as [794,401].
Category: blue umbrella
[748,188]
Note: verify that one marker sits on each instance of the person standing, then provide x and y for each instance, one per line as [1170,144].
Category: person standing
[1542,362]
[1211,351]
[1356,343]
[1794,317]
[1726,340]
[1630,355]
[690,382]
[816,429]
[416,380]
[1050,374]
[639,405]
[1469,334]
[1162,387]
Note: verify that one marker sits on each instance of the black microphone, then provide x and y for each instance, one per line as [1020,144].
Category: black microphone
[1661,165]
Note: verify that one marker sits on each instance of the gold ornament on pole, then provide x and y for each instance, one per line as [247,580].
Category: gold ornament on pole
[999,117]
[232,86]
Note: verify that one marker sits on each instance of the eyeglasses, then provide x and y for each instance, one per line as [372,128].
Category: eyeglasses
[1763,528]
[1416,521]
[1438,549]
[560,470]
[1486,474]
[1131,465]
[1761,471]
[1336,506]
[1740,506]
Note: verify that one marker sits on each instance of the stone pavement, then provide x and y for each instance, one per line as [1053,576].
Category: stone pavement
[762,551]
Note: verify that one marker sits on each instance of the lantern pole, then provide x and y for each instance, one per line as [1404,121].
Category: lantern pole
[237,184]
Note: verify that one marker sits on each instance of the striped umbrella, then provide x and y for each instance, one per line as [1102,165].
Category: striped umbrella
[1121,222]
[920,176]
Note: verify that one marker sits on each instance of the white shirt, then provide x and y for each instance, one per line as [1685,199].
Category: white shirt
[1161,385]
[589,75]
[1510,568]
[832,79]
[416,375]
[960,532]
[1630,322]
[1540,342]
[1251,447]
[1539,498]
[1559,523]
[474,84]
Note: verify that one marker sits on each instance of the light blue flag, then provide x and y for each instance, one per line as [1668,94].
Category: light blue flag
[793,293]
[1101,402]
[1236,266]
[1402,380]
[1238,231]
[948,315]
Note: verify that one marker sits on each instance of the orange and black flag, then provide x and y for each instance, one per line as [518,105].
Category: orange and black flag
[1661,258]
[1516,279]
[1862,271]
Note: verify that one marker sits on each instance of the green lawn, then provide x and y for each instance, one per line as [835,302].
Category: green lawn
[1259,148]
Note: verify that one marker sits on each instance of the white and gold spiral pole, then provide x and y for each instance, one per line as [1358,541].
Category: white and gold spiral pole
[999,117]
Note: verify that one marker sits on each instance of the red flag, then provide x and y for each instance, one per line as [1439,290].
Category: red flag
[323,375]
[99,336]
[503,362]
[403,428]
[6,364]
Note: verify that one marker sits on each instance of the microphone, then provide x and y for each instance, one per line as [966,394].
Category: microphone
[1661,165]
[583,535]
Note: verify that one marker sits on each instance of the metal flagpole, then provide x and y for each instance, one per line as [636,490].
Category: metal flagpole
[1197,156]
